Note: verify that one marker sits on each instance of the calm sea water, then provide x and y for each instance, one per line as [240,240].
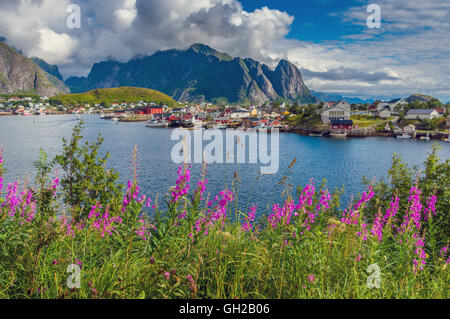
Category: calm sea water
[341,162]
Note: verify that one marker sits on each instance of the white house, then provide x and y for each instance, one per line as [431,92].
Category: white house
[409,129]
[422,114]
[385,114]
[340,111]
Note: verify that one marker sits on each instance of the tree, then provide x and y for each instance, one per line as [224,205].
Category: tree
[86,181]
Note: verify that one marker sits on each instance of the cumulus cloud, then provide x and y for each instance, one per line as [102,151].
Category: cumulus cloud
[409,53]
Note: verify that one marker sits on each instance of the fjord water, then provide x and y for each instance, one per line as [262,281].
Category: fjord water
[341,162]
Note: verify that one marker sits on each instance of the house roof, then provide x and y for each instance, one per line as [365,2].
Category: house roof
[341,122]
[420,111]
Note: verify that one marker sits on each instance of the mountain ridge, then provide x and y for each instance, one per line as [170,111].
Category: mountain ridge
[19,74]
[200,73]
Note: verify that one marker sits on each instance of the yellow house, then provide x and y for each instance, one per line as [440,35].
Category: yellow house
[254,112]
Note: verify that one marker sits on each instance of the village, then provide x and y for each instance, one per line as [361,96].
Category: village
[397,118]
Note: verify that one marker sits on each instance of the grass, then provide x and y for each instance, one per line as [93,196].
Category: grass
[365,121]
[116,95]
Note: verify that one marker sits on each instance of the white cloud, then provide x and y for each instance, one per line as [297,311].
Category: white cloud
[56,47]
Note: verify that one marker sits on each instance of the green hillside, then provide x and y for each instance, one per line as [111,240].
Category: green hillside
[115,95]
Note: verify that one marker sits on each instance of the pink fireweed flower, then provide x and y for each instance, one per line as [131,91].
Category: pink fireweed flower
[167,275]
[415,209]
[181,188]
[1,171]
[311,278]
[430,210]
[365,198]
[247,225]
[443,253]
[144,229]
[78,262]
[392,211]
[377,227]
[281,216]
[421,256]
[201,189]
[306,196]
[220,211]
[19,204]
[54,185]
[324,201]
[104,223]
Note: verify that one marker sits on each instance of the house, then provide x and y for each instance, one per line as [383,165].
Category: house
[385,113]
[341,125]
[409,129]
[328,105]
[340,111]
[153,109]
[275,124]
[240,114]
[254,112]
[343,105]
[448,121]
[222,119]
[422,114]
[250,122]
[440,110]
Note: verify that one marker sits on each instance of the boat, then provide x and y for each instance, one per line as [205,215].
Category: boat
[115,119]
[262,127]
[155,123]
[404,136]
[339,135]
[316,135]
[425,138]
[175,123]
[222,126]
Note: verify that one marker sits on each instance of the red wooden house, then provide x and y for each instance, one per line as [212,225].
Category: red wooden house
[342,125]
[154,109]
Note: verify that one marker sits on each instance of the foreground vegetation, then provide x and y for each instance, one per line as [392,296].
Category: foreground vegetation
[202,246]
[115,95]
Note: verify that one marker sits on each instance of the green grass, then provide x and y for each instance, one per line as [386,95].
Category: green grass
[115,95]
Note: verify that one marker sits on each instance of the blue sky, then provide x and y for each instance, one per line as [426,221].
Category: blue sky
[313,21]
[329,40]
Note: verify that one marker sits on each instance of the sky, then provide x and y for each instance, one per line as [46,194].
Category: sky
[329,40]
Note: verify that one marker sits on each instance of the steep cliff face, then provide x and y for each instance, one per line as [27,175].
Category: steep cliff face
[19,74]
[200,73]
[49,68]
[288,81]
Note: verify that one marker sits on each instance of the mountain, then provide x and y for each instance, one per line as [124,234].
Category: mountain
[420,98]
[116,95]
[19,74]
[200,73]
[49,68]
[331,97]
